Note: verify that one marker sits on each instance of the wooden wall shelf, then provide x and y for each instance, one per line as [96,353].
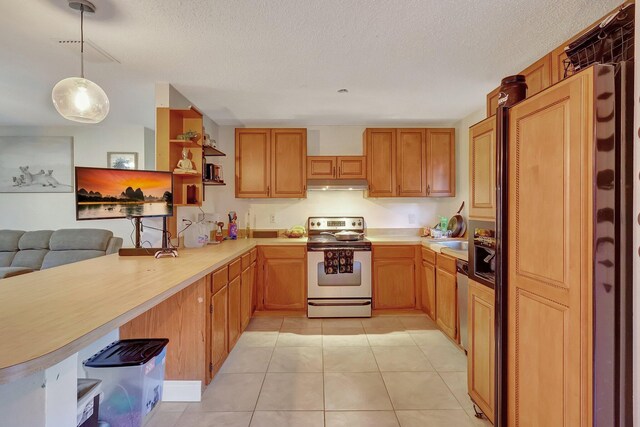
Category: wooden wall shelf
[213,152]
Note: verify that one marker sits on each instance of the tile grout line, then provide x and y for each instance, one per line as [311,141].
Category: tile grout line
[265,376]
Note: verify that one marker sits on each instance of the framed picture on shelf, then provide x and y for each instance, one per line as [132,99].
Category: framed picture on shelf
[36,164]
[122,160]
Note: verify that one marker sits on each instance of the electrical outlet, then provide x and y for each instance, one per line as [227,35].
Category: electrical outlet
[272,218]
[412,218]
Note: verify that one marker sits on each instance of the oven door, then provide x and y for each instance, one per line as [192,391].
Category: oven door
[336,286]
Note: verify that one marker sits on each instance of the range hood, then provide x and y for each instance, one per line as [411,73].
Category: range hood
[337,184]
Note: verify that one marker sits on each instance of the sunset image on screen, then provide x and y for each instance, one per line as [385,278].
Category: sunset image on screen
[118,193]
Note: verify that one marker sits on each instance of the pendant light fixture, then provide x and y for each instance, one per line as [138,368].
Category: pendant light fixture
[77,98]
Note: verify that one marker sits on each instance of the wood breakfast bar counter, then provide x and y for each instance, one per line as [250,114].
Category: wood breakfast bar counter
[48,315]
[51,320]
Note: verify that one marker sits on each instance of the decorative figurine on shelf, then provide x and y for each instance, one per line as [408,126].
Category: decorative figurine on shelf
[185,165]
[219,237]
[233,225]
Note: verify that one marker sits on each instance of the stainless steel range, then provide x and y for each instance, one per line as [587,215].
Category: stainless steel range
[343,290]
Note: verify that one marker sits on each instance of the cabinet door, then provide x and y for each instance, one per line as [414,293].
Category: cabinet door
[447,303]
[219,328]
[253,163]
[254,284]
[321,167]
[441,162]
[285,284]
[428,296]
[481,354]
[352,167]
[393,283]
[492,101]
[246,289]
[549,273]
[538,75]
[234,311]
[381,162]
[482,170]
[411,177]
[288,163]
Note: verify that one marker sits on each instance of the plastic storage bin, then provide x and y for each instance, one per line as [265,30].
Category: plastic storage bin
[132,374]
[89,396]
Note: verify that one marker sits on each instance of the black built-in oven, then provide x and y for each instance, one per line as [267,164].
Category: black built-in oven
[482,252]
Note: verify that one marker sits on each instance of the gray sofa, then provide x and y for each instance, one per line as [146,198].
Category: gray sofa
[25,251]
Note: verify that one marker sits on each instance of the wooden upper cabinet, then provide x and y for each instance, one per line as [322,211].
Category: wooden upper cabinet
[351,167]
[538,75]
[342,167]
[482,170]
[289,163]
[411,179]
[253,162]
[557,64]
[492,101]
[321,167]
[381,162]
[441,162]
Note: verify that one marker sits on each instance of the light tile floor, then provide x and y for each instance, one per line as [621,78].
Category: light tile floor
[387,371]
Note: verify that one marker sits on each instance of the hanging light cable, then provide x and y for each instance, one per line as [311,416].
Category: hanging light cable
[76,98]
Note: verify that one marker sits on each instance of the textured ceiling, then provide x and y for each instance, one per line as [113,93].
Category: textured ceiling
[282,61]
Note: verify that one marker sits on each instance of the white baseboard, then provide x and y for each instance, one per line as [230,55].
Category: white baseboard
[181,391]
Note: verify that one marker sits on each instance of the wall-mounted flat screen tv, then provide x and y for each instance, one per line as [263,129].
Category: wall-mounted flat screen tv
[122,193]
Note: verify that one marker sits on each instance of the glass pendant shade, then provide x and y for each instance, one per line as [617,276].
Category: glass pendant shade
[80,100]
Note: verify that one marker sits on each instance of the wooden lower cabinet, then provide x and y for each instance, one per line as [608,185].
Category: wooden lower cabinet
[234,312]
[481,352]
[182,319]
[393,283]
[283,282]
[246,290]
[219,329]
[447,296]
[428,294]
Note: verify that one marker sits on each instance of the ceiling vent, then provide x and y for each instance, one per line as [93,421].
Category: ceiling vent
[92,52]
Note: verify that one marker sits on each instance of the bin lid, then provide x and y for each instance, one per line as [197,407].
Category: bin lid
[134,352]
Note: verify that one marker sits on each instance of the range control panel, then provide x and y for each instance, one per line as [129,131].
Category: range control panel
[316,223]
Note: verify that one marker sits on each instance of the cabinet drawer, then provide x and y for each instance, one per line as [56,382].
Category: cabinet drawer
[283,252]
[220,279]
[246,261]
[235,267]
[429,256]
[446,263]
[254,254]
[380,252]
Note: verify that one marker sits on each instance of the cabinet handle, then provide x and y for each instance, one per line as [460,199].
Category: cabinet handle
[428,189]
[398,189]
[268,190]
[340,171]
[334,171]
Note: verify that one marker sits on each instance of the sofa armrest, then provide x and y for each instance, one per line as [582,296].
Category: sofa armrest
[115,243]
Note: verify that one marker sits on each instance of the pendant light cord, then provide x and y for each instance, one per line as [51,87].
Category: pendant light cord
[82,41]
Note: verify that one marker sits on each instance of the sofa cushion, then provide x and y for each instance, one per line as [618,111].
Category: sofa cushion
[80,239]
[56,258]
[9,240]
[13,271]
[6,258]
[35,240]
[29,258]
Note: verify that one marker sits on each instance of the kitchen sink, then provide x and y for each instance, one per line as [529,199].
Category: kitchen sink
[460,245]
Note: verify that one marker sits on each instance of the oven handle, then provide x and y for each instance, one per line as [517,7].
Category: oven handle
[338,304]
[359,249]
